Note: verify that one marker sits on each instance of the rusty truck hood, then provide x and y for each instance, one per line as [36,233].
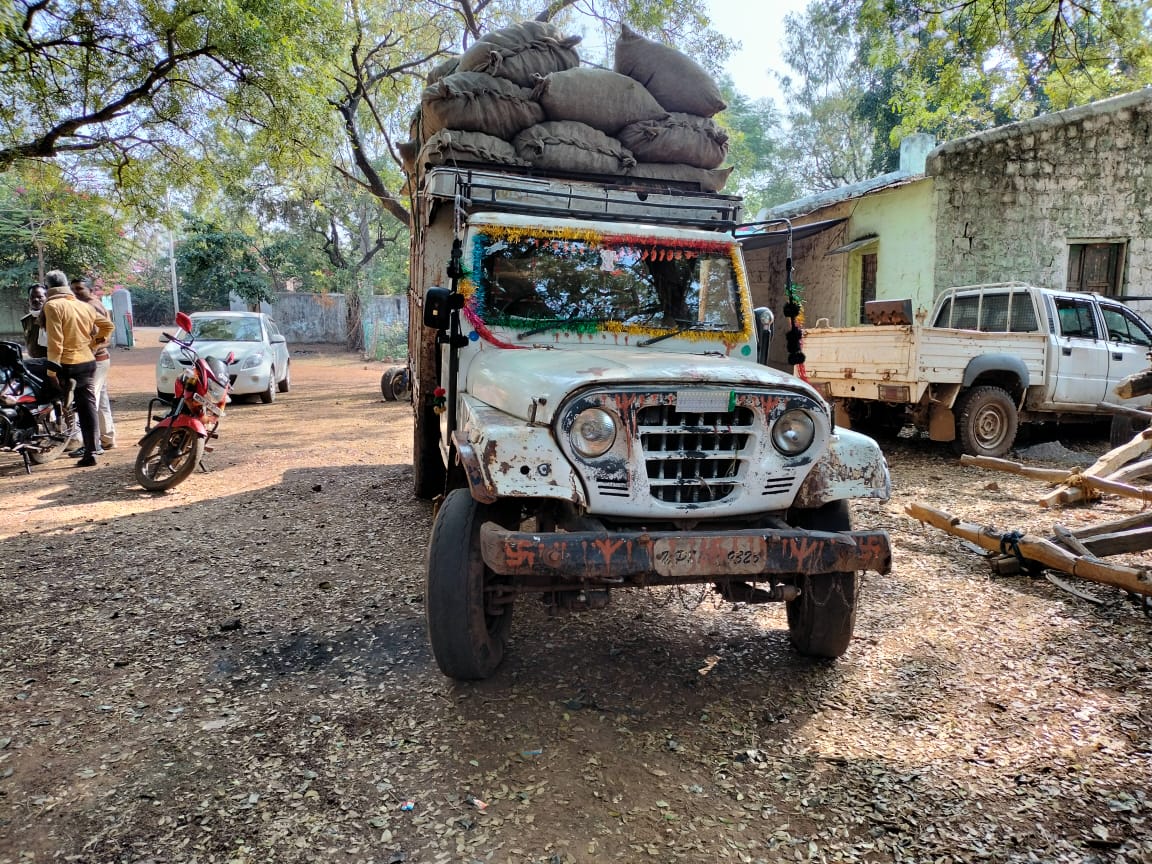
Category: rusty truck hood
[511,381]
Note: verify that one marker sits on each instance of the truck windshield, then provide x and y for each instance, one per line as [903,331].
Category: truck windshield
[539,282]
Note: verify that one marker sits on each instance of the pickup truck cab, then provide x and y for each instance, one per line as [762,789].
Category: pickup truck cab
[594,412]
[993,356]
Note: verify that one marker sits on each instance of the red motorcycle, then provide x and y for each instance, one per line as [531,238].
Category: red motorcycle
[171,450]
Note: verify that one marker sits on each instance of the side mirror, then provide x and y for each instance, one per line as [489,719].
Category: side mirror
[764,320]
[230,359]
[184,322]
[438,305]
[278,339]
[164,337]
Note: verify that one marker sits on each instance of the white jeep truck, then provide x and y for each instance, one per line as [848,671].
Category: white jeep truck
[992,357]
[593,411]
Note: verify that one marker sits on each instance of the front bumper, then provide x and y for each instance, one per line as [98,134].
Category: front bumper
[674,557]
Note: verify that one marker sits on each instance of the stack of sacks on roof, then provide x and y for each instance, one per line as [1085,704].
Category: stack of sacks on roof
[519,97]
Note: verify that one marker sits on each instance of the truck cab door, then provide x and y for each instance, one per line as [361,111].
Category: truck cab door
[1079,355]
[1129,341]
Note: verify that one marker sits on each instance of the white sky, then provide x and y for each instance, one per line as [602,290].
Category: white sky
[759,26]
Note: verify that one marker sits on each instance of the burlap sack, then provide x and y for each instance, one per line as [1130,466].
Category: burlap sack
[408,151]
[475,102]
[683,138]
[443,69]
[600,98]
[677,81]
[565,145]
[706,180]
[451,145]
[521,52]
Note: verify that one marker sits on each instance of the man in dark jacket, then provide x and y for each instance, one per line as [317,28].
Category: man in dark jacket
[30,323]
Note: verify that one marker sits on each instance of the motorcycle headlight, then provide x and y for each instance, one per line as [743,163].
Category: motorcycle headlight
[253,360]
[793,432]
[593,432]
[166,361]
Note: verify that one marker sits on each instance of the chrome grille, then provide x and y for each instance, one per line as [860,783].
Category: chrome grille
[693,458]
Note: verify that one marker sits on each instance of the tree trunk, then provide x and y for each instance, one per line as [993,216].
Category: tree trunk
[355,320]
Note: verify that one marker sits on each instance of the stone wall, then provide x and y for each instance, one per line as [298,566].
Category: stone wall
[1009,201]
[324,318]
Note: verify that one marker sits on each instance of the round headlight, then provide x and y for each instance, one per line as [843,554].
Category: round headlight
[593,432]
[793,432]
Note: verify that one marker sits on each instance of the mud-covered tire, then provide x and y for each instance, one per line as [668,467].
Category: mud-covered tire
[1124,429]
[822,618]
[466,635]
[167,457]
[57,430]
[986,422]
[394,384]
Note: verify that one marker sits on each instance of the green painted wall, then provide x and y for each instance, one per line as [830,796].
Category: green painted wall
[904,218]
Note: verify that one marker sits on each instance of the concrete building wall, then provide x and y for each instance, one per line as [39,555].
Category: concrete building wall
[903,218]
[1009,202]
[324,318]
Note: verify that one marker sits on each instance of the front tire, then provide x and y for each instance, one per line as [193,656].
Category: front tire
[269,394]
[986,422]
[466,627]
[168,455]
[56,431]
[822,618]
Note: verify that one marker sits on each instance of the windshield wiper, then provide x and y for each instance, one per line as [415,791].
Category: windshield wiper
[693,326]
[560,324]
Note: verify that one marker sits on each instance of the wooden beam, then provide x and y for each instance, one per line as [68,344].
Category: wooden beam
[1107,464]
[1138,581]
[1136,384]
[1049,475]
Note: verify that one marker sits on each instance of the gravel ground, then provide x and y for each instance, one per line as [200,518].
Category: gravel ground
[237,671]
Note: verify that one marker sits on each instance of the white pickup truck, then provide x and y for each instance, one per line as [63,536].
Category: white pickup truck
[992,357]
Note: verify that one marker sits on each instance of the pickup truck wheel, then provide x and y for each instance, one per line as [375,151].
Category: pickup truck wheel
[822,618]
[986,422]
[1124,429]
[466,628]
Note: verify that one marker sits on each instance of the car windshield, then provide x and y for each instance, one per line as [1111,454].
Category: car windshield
[543,280]
[226,329]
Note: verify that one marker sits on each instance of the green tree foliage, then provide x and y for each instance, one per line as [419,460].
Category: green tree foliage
[957,68]
[214,262]
[47,224]
[131,84]
[756,151]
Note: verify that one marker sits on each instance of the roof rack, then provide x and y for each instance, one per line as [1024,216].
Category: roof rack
[592,197]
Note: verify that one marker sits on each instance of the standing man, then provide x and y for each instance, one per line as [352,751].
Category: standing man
[74,328]
[82,290]
[30,323]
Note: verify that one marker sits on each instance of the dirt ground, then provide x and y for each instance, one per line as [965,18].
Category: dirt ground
[237,671]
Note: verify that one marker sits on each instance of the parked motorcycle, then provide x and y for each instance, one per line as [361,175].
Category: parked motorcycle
[171,450]
[34,413]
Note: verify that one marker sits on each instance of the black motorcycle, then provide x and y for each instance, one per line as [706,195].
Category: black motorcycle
[35,415]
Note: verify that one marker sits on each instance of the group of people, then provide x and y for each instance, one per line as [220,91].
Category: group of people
[69,327]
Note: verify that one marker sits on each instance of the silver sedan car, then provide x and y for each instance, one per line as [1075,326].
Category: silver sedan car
[261,365]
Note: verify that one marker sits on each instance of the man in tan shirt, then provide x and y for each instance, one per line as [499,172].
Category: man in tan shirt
[73,329]
[82,288]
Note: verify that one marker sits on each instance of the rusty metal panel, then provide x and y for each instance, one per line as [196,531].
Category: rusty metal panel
[667,557]
[852,467]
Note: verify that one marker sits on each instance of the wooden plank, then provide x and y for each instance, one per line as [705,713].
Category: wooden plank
[1120,542]
[1137,384]
[1051,475]
[1138,581]
[1134,471]
[1140,520]
[1110,462]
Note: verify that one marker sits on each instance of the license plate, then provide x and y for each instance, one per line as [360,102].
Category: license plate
[737,556]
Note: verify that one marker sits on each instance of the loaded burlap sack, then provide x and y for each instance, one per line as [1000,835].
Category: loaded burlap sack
[707,180]
[443,69]
[475,102]
[566,145]
[451,145]
[522,51]
[682,138]
[601,98]
[677,81]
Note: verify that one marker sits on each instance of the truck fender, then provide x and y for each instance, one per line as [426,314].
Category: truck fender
[852,467]
[986,363]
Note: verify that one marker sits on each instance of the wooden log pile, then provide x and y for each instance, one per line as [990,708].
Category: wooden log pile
[1123,471]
